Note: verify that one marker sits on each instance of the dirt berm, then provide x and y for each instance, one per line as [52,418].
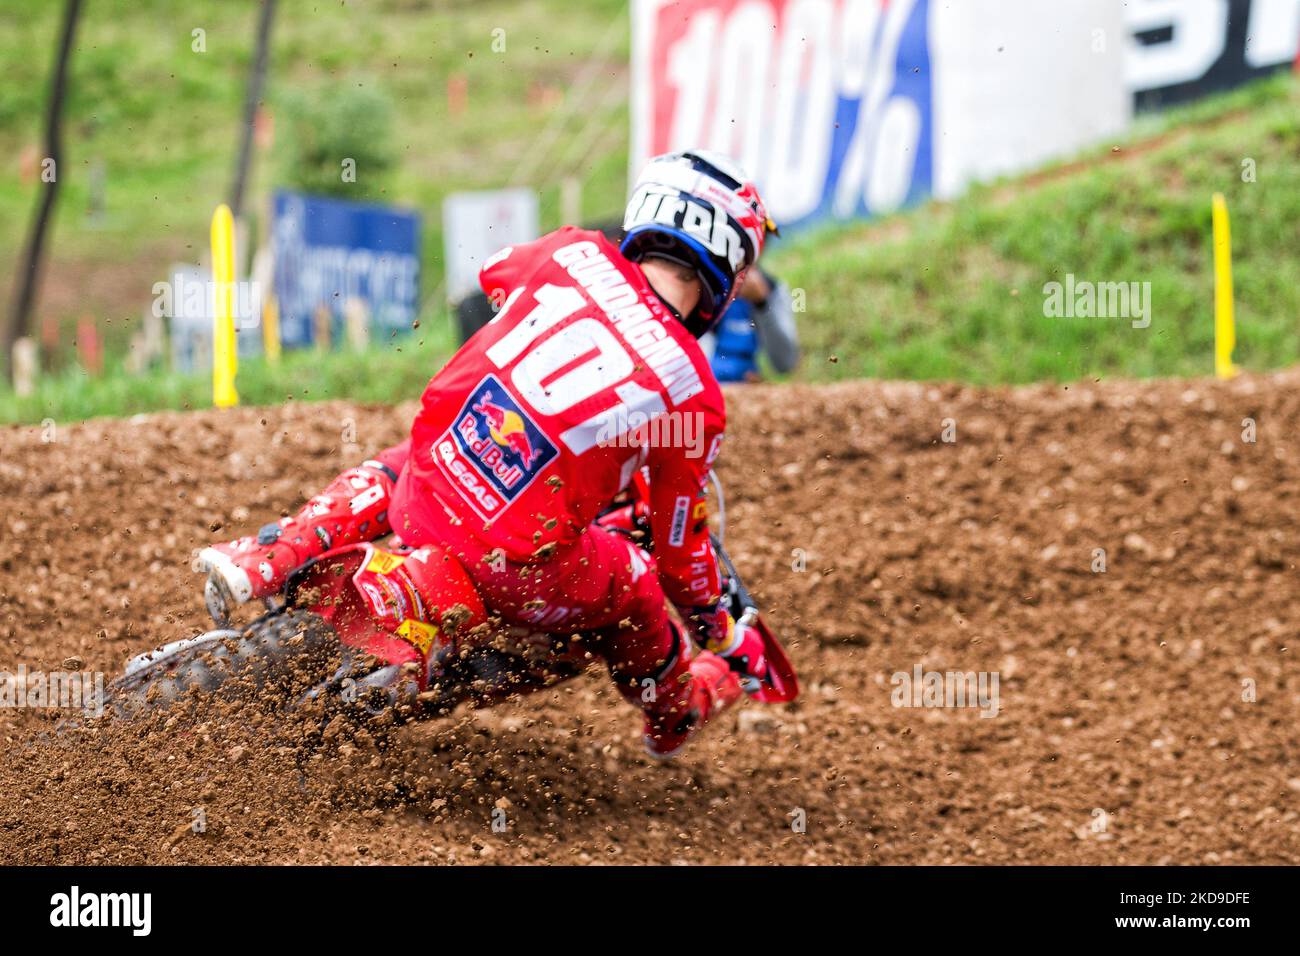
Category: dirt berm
[1118,555]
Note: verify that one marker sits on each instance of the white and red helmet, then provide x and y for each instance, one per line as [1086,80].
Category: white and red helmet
[698,209]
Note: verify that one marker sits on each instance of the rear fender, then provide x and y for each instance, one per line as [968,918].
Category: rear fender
[781,684]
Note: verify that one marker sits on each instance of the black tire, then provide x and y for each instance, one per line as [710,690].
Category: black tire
[276,651]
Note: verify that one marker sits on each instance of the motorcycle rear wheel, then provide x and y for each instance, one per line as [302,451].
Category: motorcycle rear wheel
[276,651]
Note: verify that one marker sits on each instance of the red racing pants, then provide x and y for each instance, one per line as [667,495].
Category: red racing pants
[601,583]
[604,584]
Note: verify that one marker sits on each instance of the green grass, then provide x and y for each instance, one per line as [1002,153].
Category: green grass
[957,292]
[162,121]
[380,373]
[945,291]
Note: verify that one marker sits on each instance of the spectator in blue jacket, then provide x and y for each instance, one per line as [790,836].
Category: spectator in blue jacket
[759,322]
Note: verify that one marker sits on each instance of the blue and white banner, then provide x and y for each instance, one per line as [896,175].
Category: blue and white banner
[331,251]
[844,109]
[1181,50]
[826,104]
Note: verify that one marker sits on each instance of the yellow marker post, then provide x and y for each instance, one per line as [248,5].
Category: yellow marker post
[1225,329]
[225,354]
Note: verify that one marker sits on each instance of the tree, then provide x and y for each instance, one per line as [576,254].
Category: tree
[340,141]
[256,78]
[27,279]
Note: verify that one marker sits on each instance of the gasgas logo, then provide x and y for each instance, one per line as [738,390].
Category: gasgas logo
[493,450]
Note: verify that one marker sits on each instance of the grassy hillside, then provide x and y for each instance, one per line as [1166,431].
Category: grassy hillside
[945,291]
[957,291]
[162,121]
[381,373]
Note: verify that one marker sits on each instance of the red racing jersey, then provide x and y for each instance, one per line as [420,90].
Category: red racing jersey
[583,378]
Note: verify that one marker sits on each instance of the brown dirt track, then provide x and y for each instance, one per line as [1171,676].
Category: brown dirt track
[1121,691]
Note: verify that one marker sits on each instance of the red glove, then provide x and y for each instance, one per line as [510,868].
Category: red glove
[736,642]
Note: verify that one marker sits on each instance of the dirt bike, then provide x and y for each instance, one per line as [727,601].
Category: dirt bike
[368,632]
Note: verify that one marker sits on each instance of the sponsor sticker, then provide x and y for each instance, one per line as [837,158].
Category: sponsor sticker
[382,562]
[493,449]
[419,633]
[681,507]
[700,515]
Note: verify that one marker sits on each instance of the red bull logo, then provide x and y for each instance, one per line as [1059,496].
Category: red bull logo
[507,430]
[495,439]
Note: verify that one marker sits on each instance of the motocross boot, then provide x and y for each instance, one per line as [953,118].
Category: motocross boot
[353,508]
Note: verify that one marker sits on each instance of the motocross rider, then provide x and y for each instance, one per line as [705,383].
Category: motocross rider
[521,442]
